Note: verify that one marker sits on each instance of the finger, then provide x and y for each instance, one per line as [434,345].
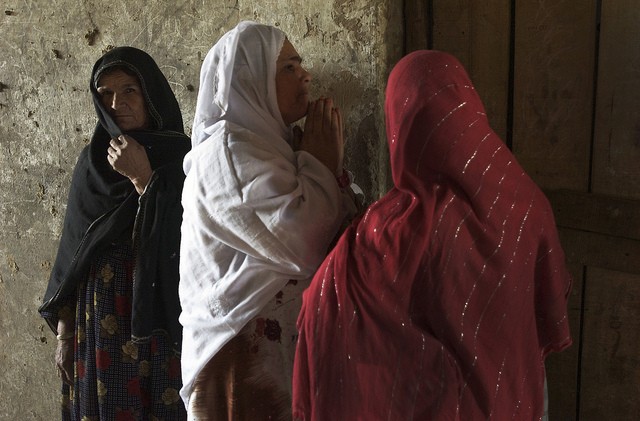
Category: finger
[123,140]
[113,153]
[328,113]
[114,144]
[67,377]
[335,125]
[318,114]
[336,119]
[340,124]
[60,370]
[308,123]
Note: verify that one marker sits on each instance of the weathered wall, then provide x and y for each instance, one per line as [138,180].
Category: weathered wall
[46,117]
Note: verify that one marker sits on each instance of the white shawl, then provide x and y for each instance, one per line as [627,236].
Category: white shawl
[256,213]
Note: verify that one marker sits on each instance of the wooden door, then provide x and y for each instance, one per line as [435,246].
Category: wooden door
[561,84]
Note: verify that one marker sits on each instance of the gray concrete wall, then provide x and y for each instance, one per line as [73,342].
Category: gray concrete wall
[48,48]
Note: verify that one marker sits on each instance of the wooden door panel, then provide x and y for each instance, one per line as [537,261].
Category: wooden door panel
[553,91]
[598,230]
[563,368]
[599,213]
[476,32]
[600,233]
[616,168]
[560,81]
[610,369]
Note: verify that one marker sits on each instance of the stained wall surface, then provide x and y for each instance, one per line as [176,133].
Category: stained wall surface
[46,117]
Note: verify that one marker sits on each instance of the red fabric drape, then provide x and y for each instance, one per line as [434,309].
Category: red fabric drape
[443,300]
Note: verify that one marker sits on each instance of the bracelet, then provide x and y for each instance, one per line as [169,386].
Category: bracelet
[65,336]
[344,180]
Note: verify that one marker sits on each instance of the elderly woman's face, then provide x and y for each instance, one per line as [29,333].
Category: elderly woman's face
[292,84]
[122,96]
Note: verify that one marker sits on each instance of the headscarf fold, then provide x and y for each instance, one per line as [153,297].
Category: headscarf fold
[237,83]
[103,204]
[444,299]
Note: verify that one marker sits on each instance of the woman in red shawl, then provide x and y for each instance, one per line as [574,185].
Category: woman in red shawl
[443,300]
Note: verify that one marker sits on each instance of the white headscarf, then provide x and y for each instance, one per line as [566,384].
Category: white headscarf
[256,213]
[237,83]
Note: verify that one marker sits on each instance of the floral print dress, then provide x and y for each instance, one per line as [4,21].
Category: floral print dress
[114,378]
[249,379]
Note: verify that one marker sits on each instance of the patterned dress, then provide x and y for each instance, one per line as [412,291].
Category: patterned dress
[114,378]
[249,379]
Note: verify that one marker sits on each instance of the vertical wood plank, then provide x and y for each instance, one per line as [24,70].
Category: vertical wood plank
[477,32]
[451,28]
[553,90]
[416,25]
[562,368]
[490,58]
[610,386]
[617,124]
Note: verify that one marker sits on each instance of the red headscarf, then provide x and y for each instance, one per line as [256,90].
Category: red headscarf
[442,302]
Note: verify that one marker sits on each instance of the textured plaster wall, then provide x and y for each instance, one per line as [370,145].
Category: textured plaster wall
[48,48]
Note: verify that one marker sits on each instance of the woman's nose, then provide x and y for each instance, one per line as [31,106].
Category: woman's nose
[114,101]
[306,76]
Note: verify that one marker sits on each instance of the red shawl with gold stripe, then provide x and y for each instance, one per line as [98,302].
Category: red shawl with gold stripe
[443,301]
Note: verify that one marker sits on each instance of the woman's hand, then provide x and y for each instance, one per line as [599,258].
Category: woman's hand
[64,360]
[130,159]
[64,350]
[323,136]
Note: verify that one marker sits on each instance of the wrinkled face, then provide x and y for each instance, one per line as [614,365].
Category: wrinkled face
[122,97]
[292,84]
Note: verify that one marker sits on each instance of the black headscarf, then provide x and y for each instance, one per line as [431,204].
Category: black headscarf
[103,204]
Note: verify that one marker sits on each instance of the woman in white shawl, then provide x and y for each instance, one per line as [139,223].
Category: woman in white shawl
[262,201]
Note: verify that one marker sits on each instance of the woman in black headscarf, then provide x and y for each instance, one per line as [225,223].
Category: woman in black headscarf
[112,298]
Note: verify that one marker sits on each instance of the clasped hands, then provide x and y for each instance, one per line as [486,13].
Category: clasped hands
[323,134]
